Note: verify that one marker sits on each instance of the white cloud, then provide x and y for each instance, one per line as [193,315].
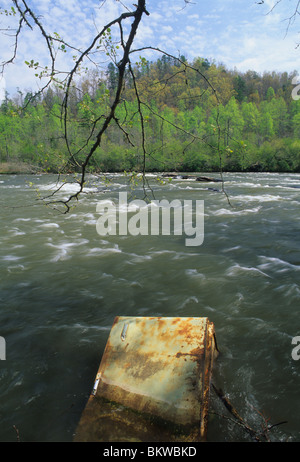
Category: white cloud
[156,18]
[144,35]
[167,29]
[237,33]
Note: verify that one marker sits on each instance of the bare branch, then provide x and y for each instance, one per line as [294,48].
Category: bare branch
[100,123]
[289,19]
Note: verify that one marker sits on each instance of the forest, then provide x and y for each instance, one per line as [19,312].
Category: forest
[197,117]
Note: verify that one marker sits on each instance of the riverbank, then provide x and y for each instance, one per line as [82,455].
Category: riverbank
[20,168]
[17,168]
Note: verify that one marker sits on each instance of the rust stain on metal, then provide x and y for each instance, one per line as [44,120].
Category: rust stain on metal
[197,353]
[158,368]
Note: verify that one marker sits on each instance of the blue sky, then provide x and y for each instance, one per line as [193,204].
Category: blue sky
[240,34]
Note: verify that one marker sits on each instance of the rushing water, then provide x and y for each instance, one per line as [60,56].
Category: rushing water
[62,284]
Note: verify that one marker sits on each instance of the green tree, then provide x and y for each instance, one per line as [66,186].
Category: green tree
[266,126]
[270,94]
[240,88]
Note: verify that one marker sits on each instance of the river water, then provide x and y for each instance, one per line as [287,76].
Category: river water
[62,284]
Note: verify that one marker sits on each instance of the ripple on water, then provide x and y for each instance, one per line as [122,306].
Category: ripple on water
[235,212]
[102,251]
[65,249]
[11,258]
[49,225]
[277,265]
[237,270]
[16,268]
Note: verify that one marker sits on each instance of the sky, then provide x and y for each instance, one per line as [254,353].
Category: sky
[240,34]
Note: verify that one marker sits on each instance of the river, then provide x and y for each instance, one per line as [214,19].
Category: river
[62,284]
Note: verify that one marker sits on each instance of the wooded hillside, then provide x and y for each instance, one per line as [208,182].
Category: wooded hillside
[255,126]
